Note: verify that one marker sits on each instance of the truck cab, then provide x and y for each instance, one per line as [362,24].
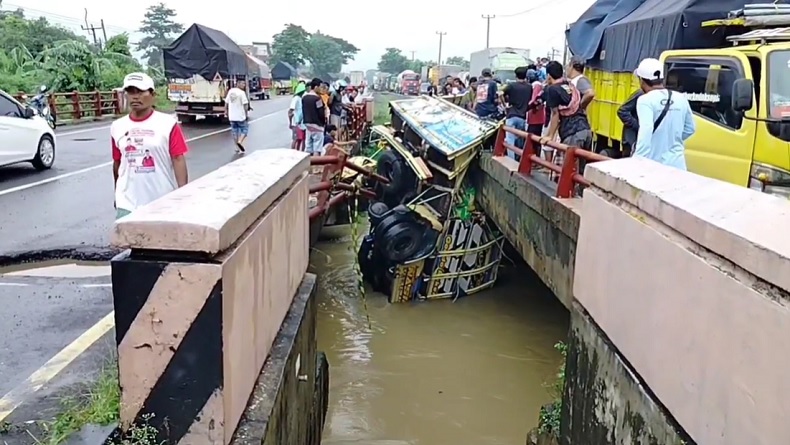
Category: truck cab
[745,142]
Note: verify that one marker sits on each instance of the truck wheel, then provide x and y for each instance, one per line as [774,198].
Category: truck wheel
[186,118]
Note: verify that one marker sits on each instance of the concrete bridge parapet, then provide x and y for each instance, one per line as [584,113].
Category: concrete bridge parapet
[687,278]
[678,296]
[214,272]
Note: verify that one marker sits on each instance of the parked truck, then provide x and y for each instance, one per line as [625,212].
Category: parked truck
[356,78]
[260,81]
[727,64]
[198,85]
[409,83]
[501,61]
[437,73]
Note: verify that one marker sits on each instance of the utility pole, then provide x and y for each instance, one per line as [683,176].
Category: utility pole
[488,27]
[92,29]
[441,37]
[412,55]
[104,31]
[554,53]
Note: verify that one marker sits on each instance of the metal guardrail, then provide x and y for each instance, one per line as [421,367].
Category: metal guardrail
[569,173]
[79,105]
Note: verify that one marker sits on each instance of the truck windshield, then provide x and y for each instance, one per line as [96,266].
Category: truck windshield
[506,75]
[778,89]
[779,94]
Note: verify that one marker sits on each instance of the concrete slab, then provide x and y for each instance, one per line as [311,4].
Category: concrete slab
[231,198]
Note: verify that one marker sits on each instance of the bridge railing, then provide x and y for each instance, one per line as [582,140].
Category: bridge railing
[81,105]
[568,173]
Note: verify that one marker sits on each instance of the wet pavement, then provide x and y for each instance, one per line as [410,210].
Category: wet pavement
[68,211]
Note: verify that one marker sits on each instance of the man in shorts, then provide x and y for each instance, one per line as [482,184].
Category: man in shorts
[237,107]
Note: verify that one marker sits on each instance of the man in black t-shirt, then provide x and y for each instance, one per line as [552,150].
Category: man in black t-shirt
[567,115]
[314,119]
[517,96]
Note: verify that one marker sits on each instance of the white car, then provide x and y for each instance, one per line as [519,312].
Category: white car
[24,135]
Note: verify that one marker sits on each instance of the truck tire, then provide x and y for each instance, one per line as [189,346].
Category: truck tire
[186,118]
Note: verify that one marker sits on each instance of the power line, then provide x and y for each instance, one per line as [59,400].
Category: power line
[534,8]
[64,19]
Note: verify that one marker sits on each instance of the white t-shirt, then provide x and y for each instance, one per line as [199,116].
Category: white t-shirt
[237,104]
[145,149]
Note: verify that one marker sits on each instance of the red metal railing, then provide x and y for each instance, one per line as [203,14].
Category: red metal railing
[568,174]
[75,106]
[334,163]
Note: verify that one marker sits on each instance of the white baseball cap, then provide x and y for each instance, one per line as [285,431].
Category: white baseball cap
[141,81]
[650,69]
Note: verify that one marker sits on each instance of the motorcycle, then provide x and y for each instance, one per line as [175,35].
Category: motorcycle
[40,103]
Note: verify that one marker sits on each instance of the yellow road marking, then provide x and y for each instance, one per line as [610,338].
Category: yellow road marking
[54,366]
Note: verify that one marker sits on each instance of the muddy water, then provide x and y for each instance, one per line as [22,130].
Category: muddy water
[434,373]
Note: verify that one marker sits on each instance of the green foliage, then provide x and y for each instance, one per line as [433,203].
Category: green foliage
[394,62]
[325,54]
[458,60]
[160,28]
[549,418]
[34,53]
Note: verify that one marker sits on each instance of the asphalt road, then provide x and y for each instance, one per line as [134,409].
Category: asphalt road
[69,210]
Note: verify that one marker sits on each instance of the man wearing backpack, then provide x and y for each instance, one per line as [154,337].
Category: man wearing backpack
[568,119]
[665,119]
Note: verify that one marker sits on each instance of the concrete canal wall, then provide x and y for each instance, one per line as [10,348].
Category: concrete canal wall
[679,302]
[213,283]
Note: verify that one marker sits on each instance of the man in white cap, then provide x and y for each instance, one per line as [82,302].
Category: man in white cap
[665,118]
[148,149]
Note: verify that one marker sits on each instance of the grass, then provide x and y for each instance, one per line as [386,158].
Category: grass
[100,405]
[162,103]
[549,418]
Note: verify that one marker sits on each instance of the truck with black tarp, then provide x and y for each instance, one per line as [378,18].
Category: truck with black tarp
[200,66]
[729,58]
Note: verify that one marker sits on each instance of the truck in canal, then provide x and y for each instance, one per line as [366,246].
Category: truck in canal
[198,84]
[727,57]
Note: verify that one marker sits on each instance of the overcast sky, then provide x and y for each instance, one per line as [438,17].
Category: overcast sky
[410,25]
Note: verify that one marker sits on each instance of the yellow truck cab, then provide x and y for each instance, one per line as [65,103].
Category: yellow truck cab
[741,106]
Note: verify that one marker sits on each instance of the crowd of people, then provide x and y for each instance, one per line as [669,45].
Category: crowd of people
[550,101]
[318,111]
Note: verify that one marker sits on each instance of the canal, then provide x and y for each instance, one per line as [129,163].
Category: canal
[471,371]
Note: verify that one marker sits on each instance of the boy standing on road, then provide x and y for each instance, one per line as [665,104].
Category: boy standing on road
[148,149]
[237,107]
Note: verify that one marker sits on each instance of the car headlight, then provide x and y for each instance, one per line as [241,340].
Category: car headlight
[770,180]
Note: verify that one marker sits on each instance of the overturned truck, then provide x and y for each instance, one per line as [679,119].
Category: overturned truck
[427,240]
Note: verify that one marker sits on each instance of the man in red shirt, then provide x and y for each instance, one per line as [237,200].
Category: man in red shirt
[152,161]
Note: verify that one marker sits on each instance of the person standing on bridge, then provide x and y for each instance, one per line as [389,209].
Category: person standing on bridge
[314,118]
[567,116]
[487,97]
[665,119]
[148,149]
[517,95]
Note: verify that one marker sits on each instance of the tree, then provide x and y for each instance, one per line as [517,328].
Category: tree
[458,60]
[290,45]
[393,61]
[325,54]
[160,28]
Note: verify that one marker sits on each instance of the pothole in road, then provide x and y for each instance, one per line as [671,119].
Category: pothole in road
[58,269]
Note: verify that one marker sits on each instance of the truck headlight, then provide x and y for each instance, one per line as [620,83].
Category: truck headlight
[770,180]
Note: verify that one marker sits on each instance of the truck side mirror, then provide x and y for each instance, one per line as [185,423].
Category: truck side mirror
[742,95]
